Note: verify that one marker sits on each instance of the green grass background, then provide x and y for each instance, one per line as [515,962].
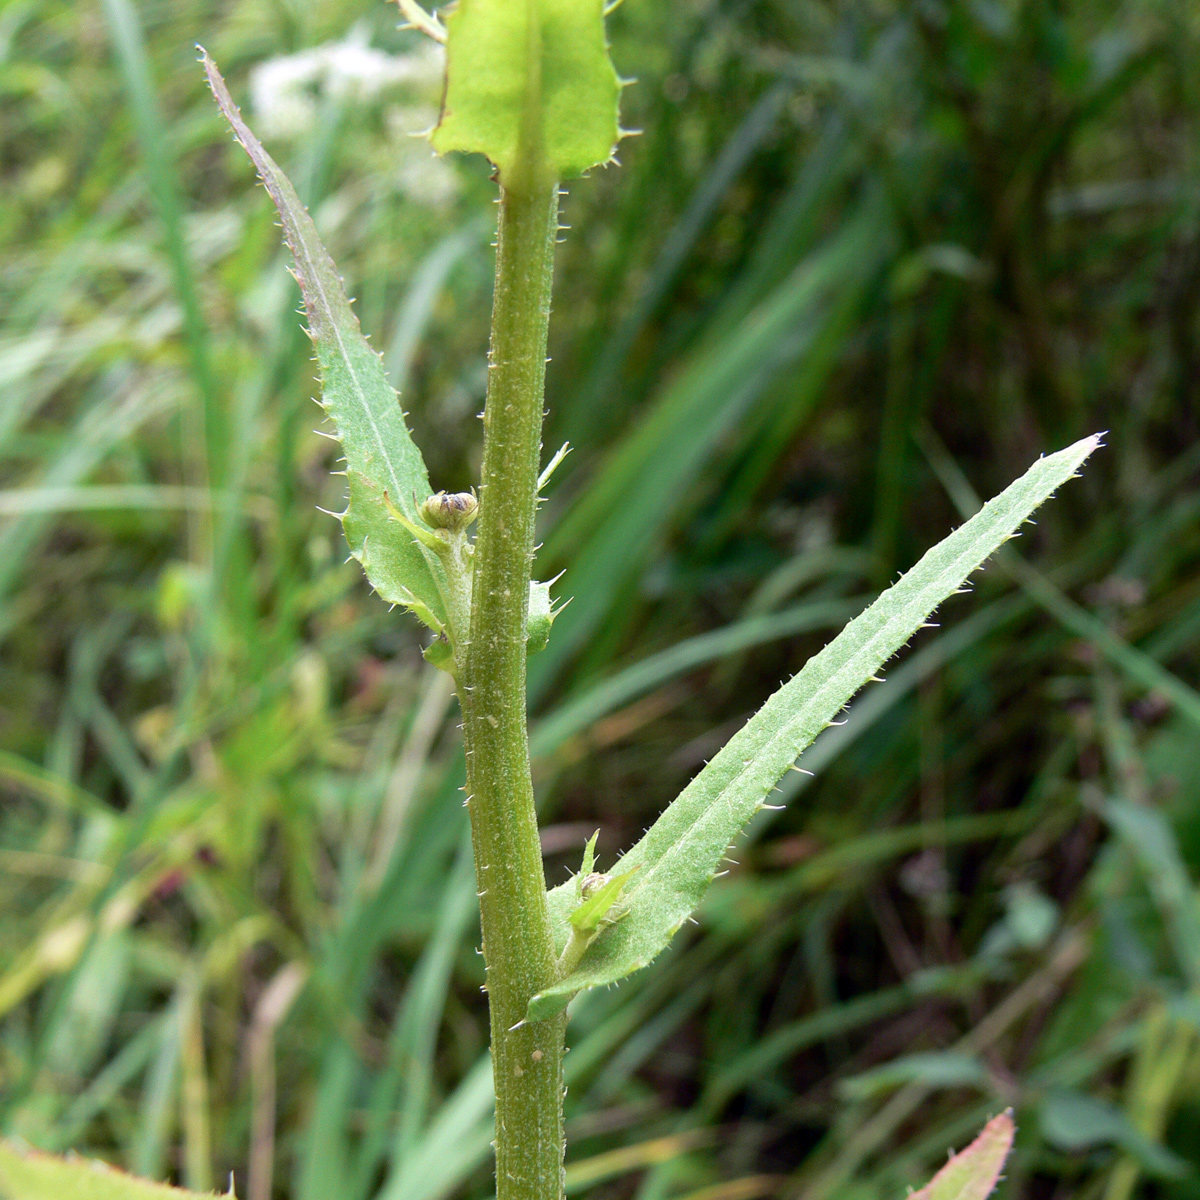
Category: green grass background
[866,260]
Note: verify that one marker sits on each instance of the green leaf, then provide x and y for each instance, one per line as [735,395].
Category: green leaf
[1148,834]
[972,1173]
[600,906]
[541,616]
[589,856]
[382,462]
[1074,1121]
[933,1068]
[30,1175]
[681,852]
[529,83]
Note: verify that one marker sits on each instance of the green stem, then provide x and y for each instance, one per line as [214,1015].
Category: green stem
[517,944]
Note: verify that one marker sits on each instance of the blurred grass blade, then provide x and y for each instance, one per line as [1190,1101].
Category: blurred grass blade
[56,791]
[111,414]
[577,714]
[933,1068]
[1073,1121]
[972,1173]
[158,161]
[28,1175]
[1150,838]
[414,885]
[589,403]
[455,1143]
[130,496]
[873,706]
[632,501]
[105,1086]
[749,1187]
[1136,664]
[780,1044]
[270,1010]
[195,1105]
[156,1115]
[381,458]
[417,310]
[680,854]
[612,1164]
[400,1100]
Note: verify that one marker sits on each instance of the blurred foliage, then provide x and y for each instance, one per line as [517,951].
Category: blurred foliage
[867,259]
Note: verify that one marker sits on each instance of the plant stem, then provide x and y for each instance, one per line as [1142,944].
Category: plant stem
[517,943]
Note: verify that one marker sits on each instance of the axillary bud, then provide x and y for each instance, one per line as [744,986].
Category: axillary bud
[450,510]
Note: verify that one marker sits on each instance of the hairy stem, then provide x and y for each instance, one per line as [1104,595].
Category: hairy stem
[517,944]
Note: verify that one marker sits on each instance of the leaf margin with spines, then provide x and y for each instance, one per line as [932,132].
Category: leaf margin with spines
[972,1173]
[767,746]
[382,461]
[488,90]
[29,1174]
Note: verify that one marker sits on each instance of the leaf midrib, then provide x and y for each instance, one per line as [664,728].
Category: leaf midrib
[318,284]
[825,692]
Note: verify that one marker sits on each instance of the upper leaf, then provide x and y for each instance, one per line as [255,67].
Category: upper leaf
[972,1173]
[683,849]
[529,83]
[601,901]
[30,1175]
[382,461]
[541,615]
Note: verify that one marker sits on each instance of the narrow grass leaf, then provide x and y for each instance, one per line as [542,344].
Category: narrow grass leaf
[1149,836]
[403,1093]
[680,854]
[766,1053]
[455,1142]
[934,1068]
[637,493]
[714,185]
[1073,1121]
[115,409]
[381,457]
[612,1164]
[157,149]
[424,291]
[641,677]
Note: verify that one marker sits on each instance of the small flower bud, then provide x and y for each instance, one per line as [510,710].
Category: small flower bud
[589,885]
[450,510]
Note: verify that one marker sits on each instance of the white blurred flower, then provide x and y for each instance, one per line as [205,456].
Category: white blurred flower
[424,177]
[420,174]
[285,92]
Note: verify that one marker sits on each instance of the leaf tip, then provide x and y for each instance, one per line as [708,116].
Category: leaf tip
[972,1174]
[1087,446]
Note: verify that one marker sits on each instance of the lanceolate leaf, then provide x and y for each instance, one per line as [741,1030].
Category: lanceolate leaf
[530,77]
[683,849]
[29,1175]
[972,1173]
[365,410]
